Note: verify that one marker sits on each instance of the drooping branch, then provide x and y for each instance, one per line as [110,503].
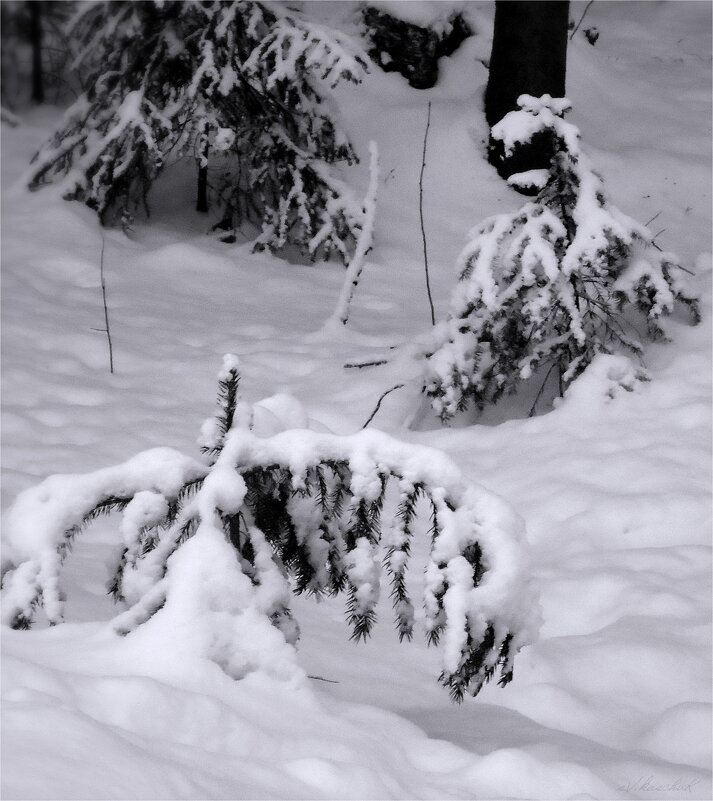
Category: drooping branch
[299,507]
[45,518]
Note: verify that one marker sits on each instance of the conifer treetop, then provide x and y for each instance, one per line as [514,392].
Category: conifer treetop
[544,289]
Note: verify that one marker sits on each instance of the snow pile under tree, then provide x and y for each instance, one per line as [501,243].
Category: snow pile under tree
[240,86]
[546,289]
[209,552]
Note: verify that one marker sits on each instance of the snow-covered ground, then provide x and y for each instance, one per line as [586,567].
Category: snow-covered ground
[613,701]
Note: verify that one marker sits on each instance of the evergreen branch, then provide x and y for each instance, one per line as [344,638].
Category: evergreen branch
[291,529]
[361,622]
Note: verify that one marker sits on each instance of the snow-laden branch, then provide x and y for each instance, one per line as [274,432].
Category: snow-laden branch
[214,551]
[42,522]
[296,45]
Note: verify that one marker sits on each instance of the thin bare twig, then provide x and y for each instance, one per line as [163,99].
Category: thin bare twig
[107,330]
[660,250]
[646,224]
[378,404]
[420,211]
[542,389]
[584,14]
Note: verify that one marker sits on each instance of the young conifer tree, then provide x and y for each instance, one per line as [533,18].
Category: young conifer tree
[242,82]
[547,288]
[213,550]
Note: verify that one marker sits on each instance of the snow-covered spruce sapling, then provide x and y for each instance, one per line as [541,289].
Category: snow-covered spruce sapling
[241,84]
[213,550]
[547,288]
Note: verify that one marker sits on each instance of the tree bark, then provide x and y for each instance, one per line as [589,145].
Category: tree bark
[38,86]
[202,199]
[202,193]
[529,56]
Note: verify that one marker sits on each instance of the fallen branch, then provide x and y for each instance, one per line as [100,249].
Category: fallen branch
[361,365]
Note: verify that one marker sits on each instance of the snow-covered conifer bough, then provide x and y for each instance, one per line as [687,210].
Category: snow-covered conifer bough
[213,550]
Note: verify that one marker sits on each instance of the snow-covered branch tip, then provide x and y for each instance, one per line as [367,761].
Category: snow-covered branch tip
[216,550]
[542,291]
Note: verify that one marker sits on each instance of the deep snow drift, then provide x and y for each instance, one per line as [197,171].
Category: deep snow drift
[613,701]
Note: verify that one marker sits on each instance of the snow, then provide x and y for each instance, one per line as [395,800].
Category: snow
[425,13]
[224,137]
[613,701]
[541,114]
[530,178]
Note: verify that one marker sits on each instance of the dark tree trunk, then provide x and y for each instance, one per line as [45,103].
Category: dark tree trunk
[529,56]
[38,86]
[202,200]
